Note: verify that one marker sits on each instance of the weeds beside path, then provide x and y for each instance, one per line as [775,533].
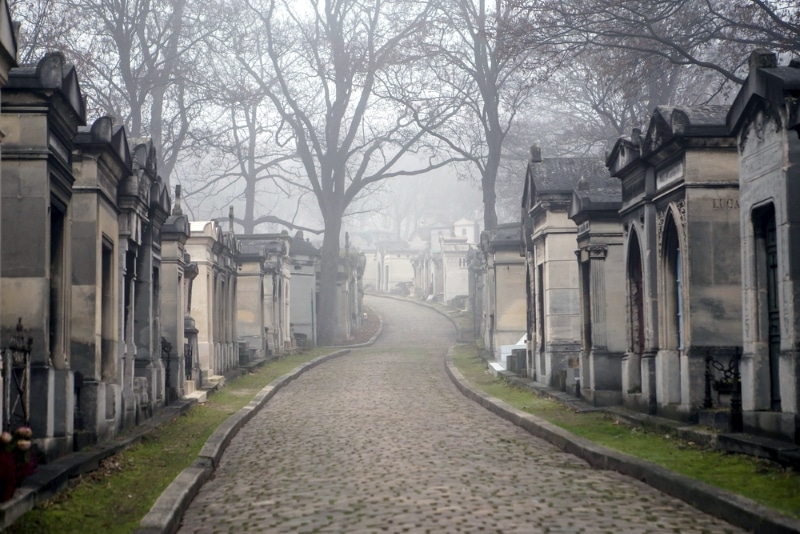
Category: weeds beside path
[762,481]
[114,498]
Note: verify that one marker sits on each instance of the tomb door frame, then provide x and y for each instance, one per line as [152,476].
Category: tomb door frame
[768,307]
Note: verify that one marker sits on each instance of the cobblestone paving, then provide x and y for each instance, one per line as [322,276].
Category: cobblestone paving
[380,441]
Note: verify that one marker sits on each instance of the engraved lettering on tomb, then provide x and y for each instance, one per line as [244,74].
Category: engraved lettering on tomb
[725,203]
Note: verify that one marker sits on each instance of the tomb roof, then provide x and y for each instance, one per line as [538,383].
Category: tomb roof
[104,132]
[8,41]
[54,73]
[767,83]
[504,235]
[598,193]
[249,249]
[301,247]
[669,122]
[561,175]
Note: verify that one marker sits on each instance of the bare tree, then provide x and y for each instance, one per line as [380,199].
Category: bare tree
[246,166]
[242,166]
[138,61]
[712,34]
[635,55]
[605,92]
[44,26]
[327,62]
[475,60]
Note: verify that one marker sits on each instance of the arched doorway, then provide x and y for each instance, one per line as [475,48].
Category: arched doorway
[636,334]
[673,339]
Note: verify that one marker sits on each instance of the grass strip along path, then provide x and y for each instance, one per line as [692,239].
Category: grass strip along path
[114,498]
[762,481]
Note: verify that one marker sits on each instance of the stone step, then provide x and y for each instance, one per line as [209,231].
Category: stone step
[496,368]
[216,380]
[201,395]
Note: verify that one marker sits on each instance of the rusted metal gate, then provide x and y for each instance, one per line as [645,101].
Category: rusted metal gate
[16,372]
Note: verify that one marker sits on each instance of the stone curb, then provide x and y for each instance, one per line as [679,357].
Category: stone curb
[52,477]
[727,506]
[369,343]
[174,500]
[165,515]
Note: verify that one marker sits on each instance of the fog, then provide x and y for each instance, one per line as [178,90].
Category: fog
[389,116]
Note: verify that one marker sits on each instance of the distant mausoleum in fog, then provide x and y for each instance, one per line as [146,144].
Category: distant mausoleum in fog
[432,265]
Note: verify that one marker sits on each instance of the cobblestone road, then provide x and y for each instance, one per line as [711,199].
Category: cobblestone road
[380,441]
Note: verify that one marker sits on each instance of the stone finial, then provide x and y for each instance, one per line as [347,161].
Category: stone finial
[102,128]
[230,219]
[636,137]
[176,208]
[535,154]
[50,70]
[761,58]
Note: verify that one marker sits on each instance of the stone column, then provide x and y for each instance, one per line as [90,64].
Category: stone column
[126,347]
[172,305]
[142,326]
[202,311]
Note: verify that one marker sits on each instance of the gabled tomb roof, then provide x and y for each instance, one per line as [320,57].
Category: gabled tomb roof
[52,72]
[104,132]
[767,82]
[670,122]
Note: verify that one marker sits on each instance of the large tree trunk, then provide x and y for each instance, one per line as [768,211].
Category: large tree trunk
[328,310]
[489,178]
[489,196]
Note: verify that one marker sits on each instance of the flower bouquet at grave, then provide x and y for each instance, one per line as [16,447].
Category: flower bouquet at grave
[17,461]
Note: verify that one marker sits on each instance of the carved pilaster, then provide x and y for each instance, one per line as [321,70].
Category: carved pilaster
[681,207]
[678,207]
[597,255]
[597,251]
[766,115]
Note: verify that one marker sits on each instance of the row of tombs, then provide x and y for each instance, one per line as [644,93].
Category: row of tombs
[687,280]
[113,302]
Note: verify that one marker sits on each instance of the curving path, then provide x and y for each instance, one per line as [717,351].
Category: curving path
[381,441]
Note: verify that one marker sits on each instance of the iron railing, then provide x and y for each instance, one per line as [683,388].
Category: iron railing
[729,381]
[16,362]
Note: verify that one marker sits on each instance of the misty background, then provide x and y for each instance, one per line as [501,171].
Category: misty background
[389,115]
